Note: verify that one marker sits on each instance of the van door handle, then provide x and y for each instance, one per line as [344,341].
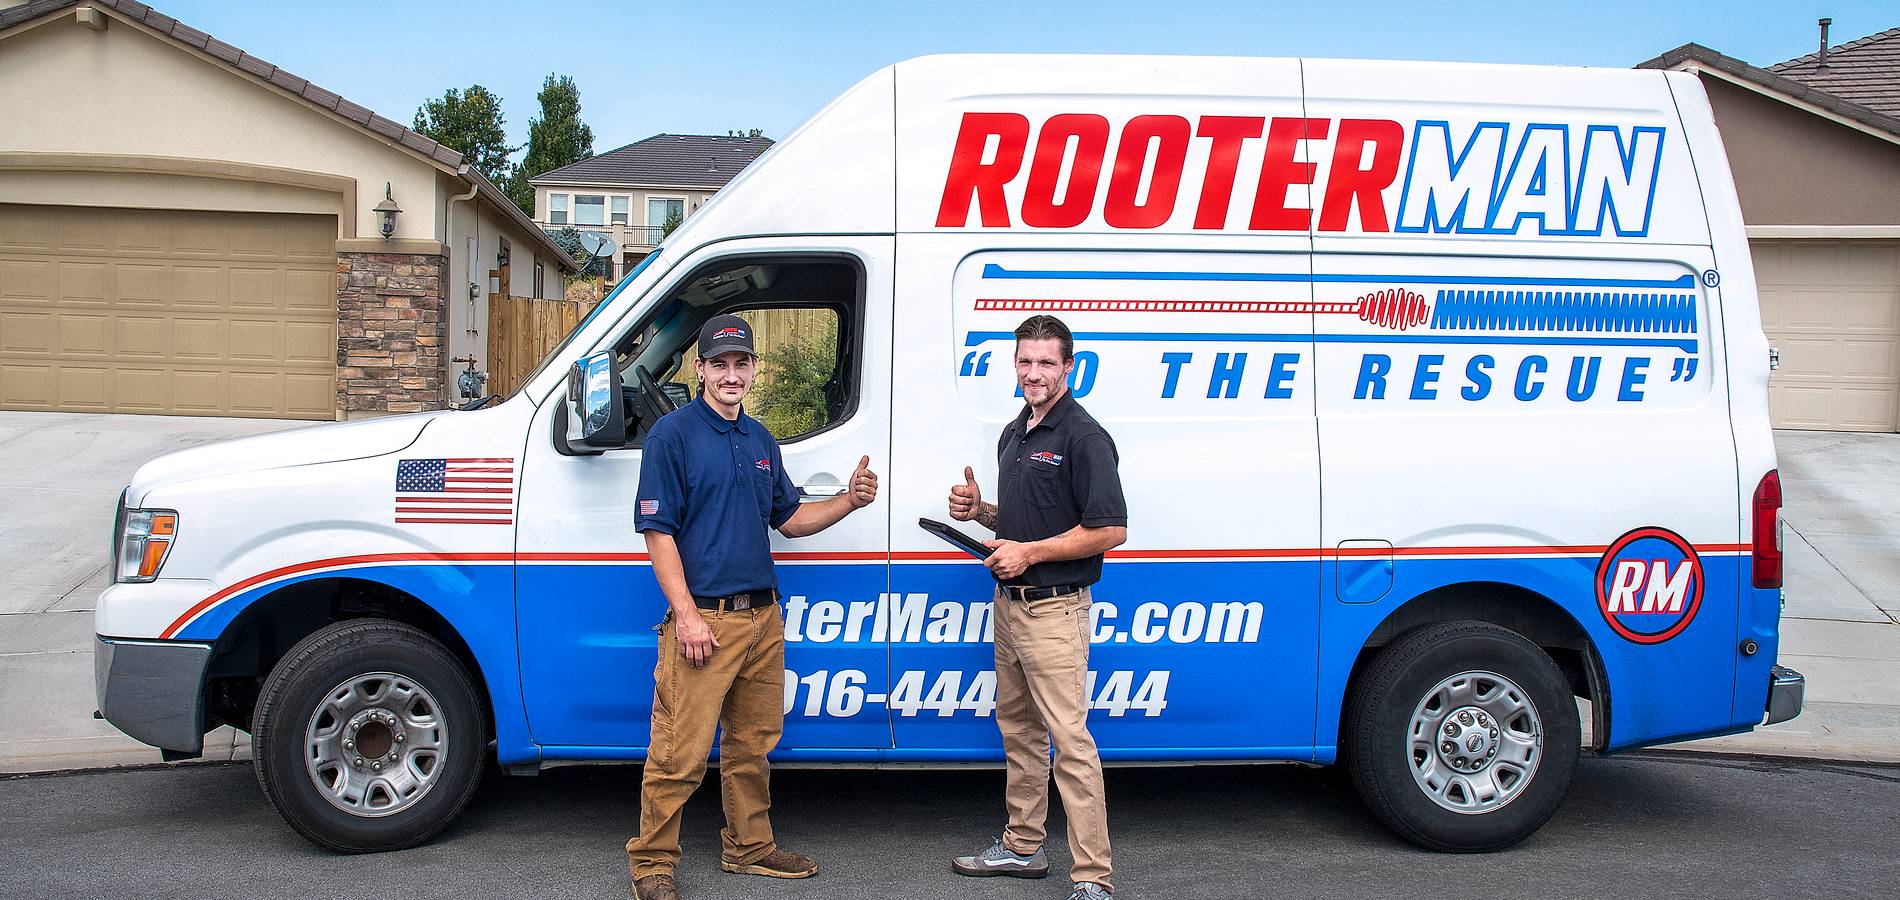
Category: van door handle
[815,489]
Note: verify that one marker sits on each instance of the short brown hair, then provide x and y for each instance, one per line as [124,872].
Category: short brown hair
[1043,328]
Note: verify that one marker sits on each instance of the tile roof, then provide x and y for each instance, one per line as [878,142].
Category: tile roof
[1698,55]
[665,160]
[388,129]
[1864,71]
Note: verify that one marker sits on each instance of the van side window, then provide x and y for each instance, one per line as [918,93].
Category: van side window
[805,316]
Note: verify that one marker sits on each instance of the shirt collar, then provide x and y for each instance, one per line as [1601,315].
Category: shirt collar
[719,422]
[1056,413]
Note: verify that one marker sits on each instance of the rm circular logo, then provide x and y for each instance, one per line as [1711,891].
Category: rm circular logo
[1649,585]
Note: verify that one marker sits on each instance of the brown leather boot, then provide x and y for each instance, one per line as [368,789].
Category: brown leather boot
[779,863]
[655,887]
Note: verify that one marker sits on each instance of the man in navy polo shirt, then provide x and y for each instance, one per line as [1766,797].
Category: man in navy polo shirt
[711,483]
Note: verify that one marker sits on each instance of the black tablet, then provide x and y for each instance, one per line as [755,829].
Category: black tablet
[955,538]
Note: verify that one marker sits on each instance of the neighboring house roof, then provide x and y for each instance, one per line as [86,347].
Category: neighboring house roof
[1865,71]
[665,160]
[1784,87]
[301,88]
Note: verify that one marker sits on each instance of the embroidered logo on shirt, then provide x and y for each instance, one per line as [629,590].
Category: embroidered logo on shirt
[763,465]
[649,507]
[1053,459]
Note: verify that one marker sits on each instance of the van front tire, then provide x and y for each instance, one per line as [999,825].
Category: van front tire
[368,736]
[1462,737]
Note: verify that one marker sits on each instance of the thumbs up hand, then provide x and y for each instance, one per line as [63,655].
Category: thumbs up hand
[965,498]
[863,485]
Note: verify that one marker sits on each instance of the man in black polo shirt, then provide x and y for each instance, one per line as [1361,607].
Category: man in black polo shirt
[711,483]
[1059,508]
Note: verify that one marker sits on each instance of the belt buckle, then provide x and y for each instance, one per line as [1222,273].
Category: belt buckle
[739,602]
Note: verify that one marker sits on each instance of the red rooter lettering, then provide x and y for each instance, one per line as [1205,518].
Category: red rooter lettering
[971,180]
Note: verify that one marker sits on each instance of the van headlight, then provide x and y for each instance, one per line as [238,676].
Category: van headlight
[144,539]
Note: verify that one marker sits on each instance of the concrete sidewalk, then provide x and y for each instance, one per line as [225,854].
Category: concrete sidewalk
[61,475]
[1841,534]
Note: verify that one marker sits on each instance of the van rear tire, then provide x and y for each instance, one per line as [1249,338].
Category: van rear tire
[1462,737]
[368,736]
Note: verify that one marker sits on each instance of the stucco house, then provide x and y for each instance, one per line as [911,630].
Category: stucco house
[627,193]
[1814,143]
[186,228]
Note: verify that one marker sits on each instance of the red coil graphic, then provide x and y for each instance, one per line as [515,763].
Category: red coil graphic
[1395,308]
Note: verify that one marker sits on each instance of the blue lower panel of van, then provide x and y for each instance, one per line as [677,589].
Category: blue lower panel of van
[1196,659]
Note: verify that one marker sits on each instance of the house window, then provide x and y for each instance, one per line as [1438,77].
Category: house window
[557,209]
[619,210]
[590,209]
[540,280]
[660,208]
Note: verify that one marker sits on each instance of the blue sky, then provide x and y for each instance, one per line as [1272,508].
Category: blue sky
[706,67]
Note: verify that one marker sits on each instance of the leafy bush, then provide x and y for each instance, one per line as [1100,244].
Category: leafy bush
[789,395]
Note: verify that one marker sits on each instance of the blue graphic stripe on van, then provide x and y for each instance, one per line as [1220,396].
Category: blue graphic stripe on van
[992,270]
[1566,311]
[1688,345]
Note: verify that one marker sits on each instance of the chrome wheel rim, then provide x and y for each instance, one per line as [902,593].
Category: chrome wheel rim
[375,744]
[1474,742]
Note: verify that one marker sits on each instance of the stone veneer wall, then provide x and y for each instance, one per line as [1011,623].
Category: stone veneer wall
[391,331]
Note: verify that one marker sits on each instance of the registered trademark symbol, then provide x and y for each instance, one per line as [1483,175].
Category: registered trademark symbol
[1711,278]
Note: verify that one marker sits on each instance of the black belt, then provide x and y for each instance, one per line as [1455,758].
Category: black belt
[1030,593]
[737,602]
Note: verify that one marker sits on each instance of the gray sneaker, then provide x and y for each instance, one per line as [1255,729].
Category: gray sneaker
[999,860]
[1089,890]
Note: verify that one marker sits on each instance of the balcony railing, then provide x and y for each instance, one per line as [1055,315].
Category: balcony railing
[626,237]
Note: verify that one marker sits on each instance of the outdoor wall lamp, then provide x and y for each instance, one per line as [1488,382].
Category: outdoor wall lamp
[388,210]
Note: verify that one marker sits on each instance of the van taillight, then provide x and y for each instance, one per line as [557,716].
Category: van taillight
[1766,549]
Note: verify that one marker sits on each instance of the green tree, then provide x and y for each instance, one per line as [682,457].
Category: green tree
[469,122]
[556,138]
[673,220]
[789,396]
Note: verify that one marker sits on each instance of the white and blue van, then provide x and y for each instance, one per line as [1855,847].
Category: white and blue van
[1440,392]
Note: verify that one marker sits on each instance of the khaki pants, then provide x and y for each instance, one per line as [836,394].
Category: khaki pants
[740,690]
[1042,661]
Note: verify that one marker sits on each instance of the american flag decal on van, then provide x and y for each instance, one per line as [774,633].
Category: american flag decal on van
[463,491]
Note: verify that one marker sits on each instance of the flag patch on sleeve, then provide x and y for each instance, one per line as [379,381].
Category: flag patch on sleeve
[649,507]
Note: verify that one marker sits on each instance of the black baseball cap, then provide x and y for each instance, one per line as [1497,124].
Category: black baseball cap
[724,334]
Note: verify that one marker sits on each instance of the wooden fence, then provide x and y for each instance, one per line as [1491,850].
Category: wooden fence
[521,333]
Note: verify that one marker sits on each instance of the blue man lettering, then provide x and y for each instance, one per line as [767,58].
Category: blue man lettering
[1425,376]
[1174,362]
[1583,383]
[1633,378]
[1372,371]
[1476,372]
[1528,390]
[1224,381]
[1279,374]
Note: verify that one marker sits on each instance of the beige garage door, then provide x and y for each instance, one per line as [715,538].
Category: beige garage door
[162,311]
[1833,308]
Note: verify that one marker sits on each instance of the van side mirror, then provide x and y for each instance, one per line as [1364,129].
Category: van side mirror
[595,419]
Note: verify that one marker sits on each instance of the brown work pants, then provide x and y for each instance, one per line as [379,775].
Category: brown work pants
[1042,662]
[740,691]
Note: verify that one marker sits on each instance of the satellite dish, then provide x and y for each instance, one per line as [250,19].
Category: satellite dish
[596,245]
